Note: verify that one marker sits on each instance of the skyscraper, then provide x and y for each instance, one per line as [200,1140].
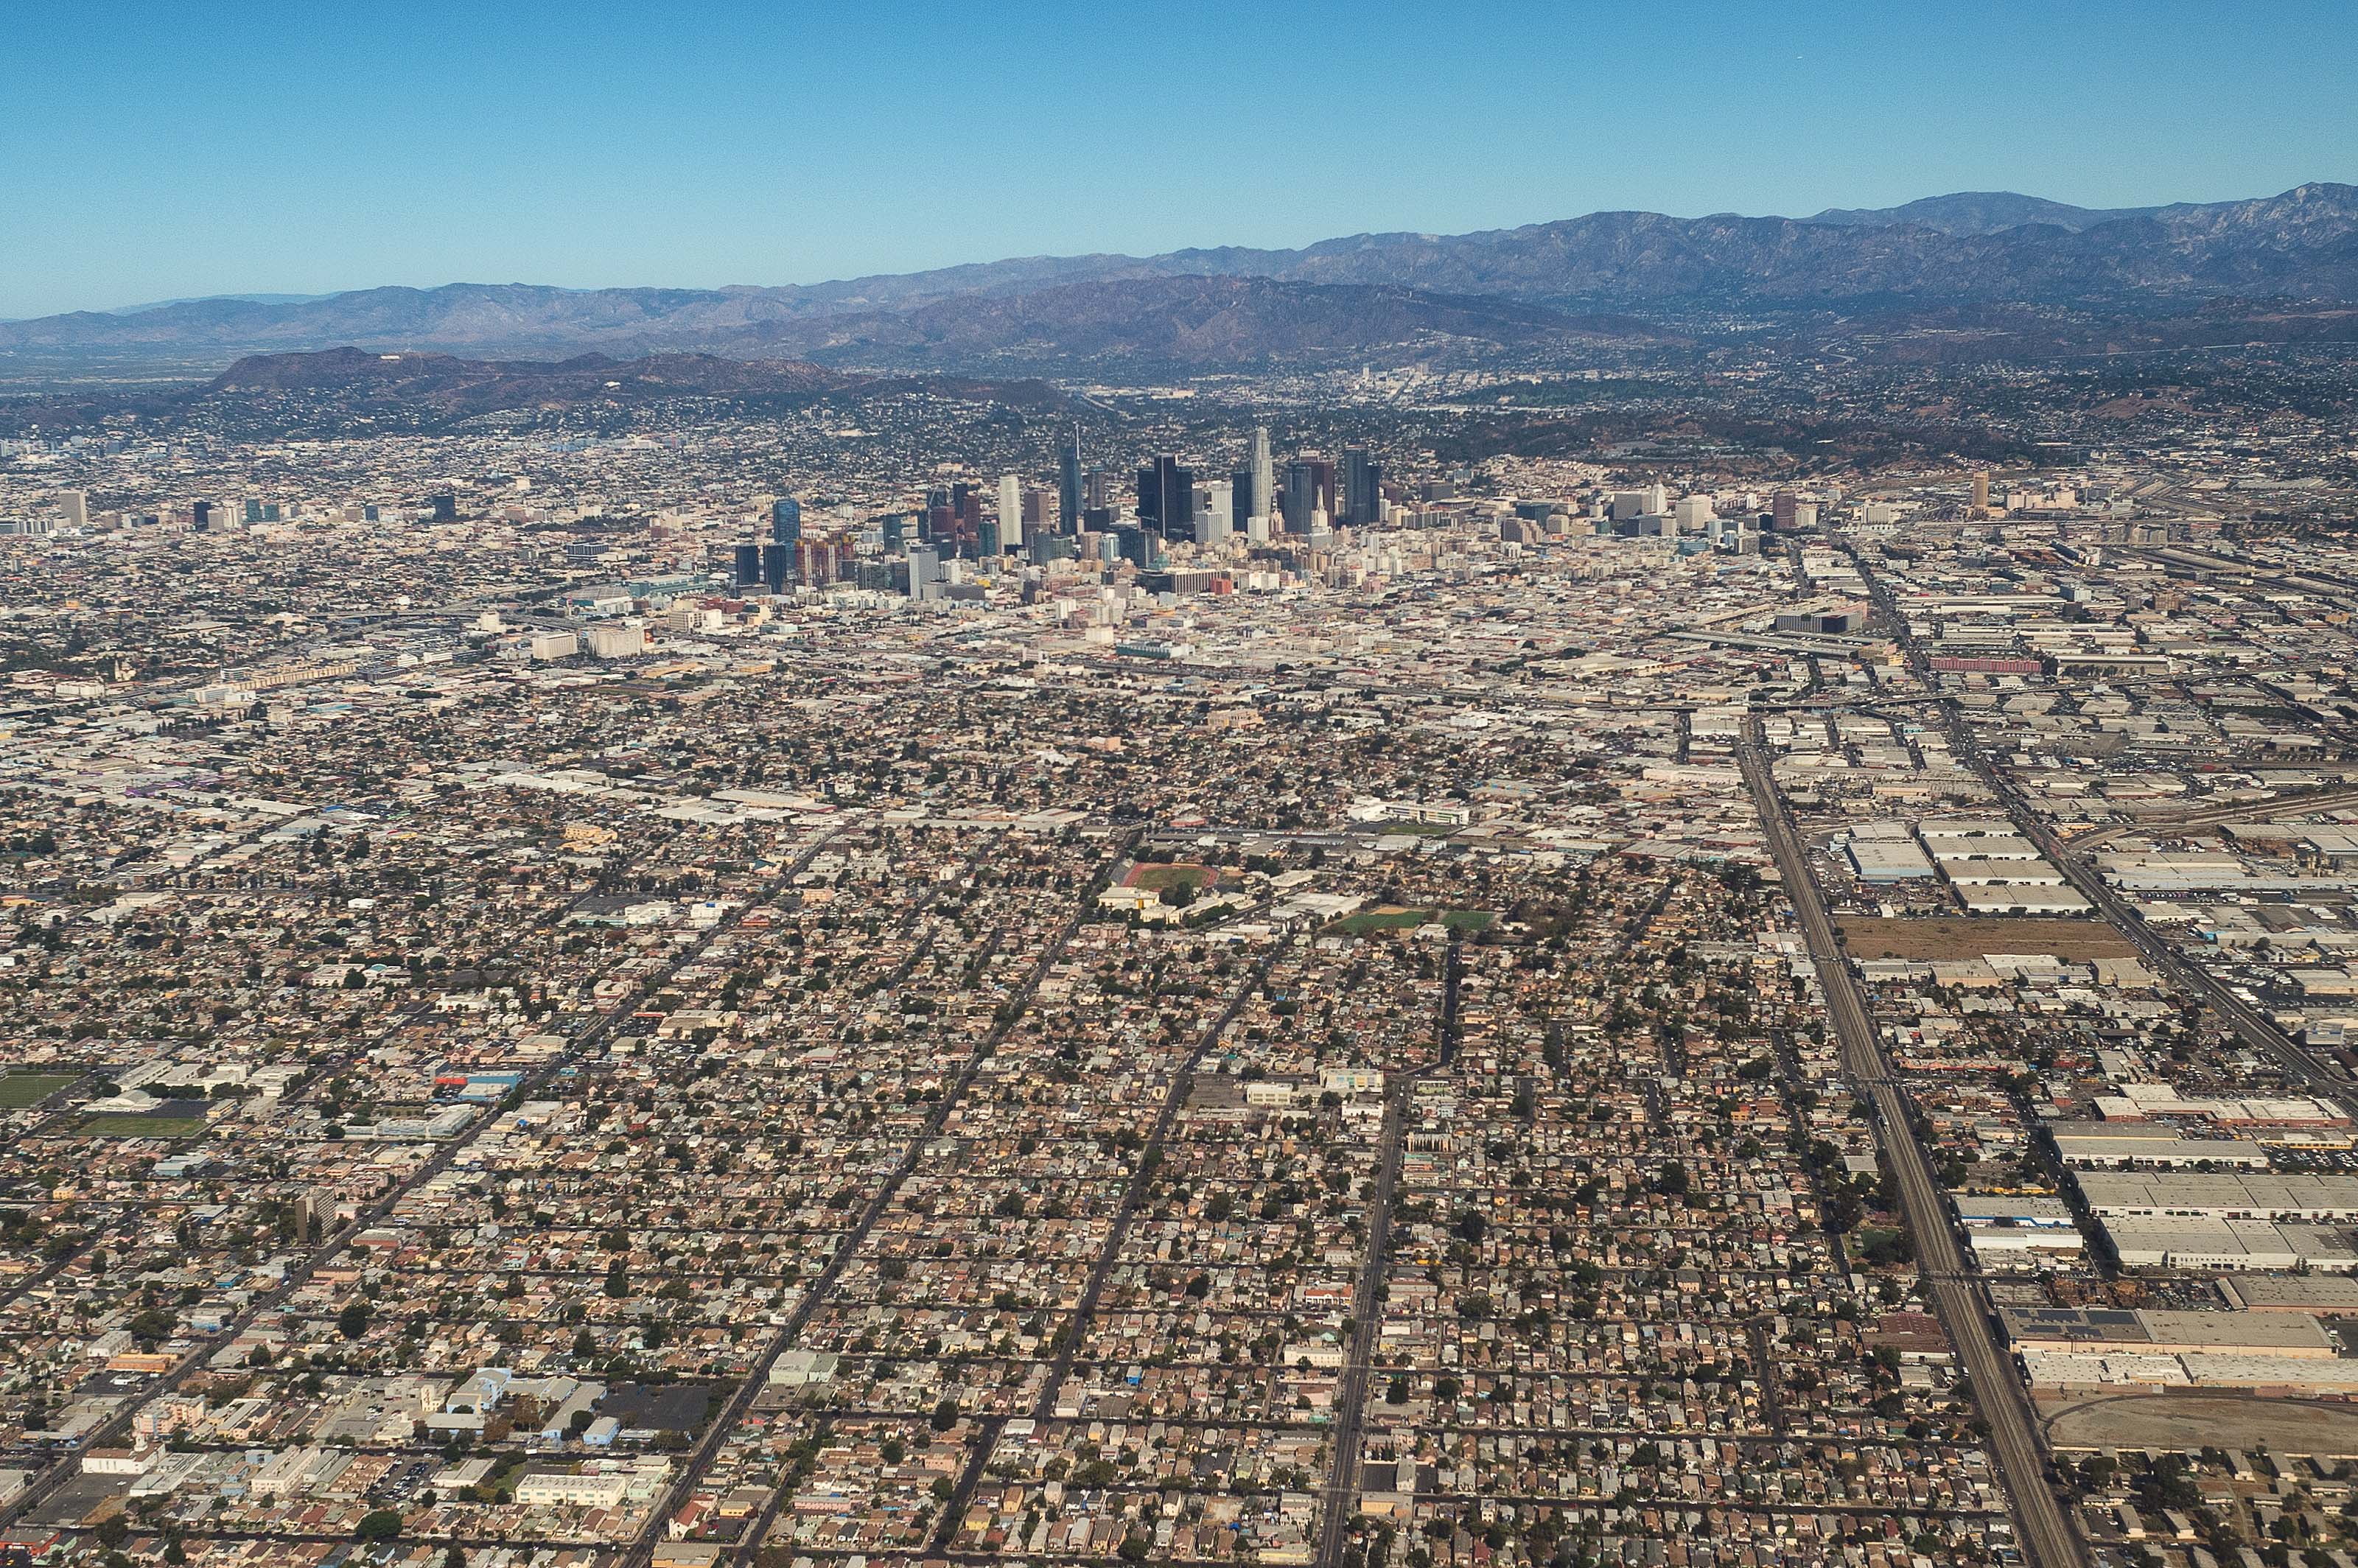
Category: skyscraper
[1218,518]
[1264,477]
[1981,492]
[1363,490]
[1166,499]
[924,570]
[745,565]
[786,521]
[1309,487]
[76,507]
[1010,511]
[1068,486]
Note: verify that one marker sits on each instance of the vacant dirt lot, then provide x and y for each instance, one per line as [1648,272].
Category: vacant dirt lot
[1942,937]
[2184,1422]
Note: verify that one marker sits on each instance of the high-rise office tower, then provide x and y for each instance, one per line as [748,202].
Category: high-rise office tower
[1166,499]
[75,504]
[1363,490]
[1068,486]
[1981,492]
[786,521]
[1217,519]
[777,565]
[1010,511]
[1309,488]
[924,570]
[814,562]
[745,565]
[1264,476]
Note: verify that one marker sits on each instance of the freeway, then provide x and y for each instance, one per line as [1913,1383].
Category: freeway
[2046,1531]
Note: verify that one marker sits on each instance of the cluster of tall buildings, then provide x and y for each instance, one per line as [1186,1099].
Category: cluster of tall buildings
[1168,502]
[1173,505]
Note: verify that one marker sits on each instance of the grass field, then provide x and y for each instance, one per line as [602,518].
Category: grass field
[165,1127]
[19,1090]
[1959,937]
[1393,918]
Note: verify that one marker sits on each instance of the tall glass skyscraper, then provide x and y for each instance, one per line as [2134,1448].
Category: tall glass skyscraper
[1363,490]
[1068,486]
[1264,475]
[786,521]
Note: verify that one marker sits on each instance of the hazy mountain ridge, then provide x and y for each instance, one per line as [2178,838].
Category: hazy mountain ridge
[1190,319]
[1238,305]
[1980,212]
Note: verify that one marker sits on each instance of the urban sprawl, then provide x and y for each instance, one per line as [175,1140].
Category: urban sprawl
[785,993]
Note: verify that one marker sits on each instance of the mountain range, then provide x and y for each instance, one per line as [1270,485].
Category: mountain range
[1604,276]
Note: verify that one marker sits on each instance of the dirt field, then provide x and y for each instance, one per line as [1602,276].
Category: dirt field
[1959,937]
[1391,917]
[2158,1422]
[1155,877]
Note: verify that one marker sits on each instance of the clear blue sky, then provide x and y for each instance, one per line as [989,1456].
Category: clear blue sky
[149,153]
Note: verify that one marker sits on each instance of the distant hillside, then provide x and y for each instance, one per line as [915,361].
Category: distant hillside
[1395,294]
[1200,321]
[1979,212]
